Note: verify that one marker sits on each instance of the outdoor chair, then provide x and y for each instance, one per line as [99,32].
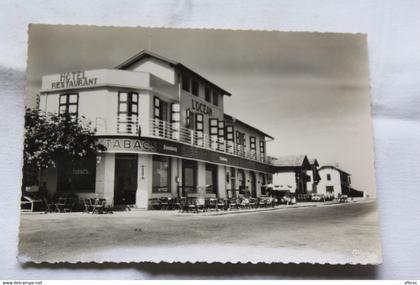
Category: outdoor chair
[252,203]
[50,207]
[191,205]
[163,203]
[262,203]
[88,205]
[200,204]
[220,204]
[99,206]
[233,204]
[211,203]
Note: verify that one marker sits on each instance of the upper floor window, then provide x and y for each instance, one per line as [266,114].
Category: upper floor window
[128,103]
[69,104]
[207,94]
[195,88]
[186,83]
[215,98]
[252,143]
[262,148]
[328,177]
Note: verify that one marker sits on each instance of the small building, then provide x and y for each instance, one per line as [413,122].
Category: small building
[301,169]
[333,182]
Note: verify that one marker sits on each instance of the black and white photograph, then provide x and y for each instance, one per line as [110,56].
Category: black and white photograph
[197,145]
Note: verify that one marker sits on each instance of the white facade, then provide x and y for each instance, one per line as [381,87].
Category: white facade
[170,108]
[330,183]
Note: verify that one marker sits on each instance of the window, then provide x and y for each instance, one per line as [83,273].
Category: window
[207,94]
[77,177]
[69,104]
[329,189]
[156,108]
[199,128]
[186,83]
[215,98]
[328,177]
[175,118]
[195,90]
[229,139]
[189,176]
[211,178]
[127,112]
[214,132]
[253,147]
[161,174]
[221,134]
[262,150]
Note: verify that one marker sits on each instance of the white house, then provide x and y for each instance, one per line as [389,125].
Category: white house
[333,182]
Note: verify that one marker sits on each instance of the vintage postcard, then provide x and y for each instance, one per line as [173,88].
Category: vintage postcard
[195,145]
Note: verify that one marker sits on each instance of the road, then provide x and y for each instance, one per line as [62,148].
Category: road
[338,233]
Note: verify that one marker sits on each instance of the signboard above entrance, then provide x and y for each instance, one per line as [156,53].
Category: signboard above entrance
[159,146]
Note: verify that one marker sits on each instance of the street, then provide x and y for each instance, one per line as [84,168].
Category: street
[340,233]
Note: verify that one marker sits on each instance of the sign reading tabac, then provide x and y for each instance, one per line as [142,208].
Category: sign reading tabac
[73,79]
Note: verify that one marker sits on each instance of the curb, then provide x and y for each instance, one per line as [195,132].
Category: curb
[224,213]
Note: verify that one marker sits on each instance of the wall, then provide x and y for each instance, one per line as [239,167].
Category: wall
[335,181]
[105,173]
[155,67]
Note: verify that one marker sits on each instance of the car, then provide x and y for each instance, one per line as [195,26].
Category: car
[343,199]
[317,198]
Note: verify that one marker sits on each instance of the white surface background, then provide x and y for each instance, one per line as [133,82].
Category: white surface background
[393,29]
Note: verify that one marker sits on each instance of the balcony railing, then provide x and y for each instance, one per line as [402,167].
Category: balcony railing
[172,131]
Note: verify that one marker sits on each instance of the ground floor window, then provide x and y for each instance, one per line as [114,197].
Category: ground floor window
[241,181]
[161,174]
[211,178]
[189,177]
[78,176]
[329,189]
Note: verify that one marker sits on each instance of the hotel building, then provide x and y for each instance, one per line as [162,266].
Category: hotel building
[165,131]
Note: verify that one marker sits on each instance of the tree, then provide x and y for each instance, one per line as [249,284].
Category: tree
[56,139]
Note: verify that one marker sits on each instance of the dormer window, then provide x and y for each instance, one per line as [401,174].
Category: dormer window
[195,90]
[186,83]
[215,98]
[207,94]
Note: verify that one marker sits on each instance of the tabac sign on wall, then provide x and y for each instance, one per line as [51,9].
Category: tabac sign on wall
[159,146]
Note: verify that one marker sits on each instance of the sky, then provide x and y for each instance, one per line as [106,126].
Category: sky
[310,91]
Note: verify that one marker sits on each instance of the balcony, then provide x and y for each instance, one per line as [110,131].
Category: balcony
[170,131]
[173,132]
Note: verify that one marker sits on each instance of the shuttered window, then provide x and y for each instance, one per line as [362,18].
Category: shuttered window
[69,104]
[128,112]
[199,128]
[214,132]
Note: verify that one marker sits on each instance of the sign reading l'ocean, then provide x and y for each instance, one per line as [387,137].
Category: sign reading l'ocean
[73,79]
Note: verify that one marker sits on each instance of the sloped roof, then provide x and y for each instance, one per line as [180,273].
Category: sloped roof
[145,53]
[288,160]
[313,161]
[226,116]
[333,167]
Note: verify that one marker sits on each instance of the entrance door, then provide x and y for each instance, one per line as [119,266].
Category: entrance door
[253,184]
[125,184]
[189,177]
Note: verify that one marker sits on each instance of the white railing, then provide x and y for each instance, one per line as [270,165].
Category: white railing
[166,130]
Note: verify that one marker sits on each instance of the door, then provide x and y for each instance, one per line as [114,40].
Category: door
[253,184]
[189,177]
[125,185]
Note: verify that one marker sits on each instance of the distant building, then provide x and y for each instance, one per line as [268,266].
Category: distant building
[334,181]
[305,173]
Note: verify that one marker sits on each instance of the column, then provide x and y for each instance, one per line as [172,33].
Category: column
[221,180]
[144,180]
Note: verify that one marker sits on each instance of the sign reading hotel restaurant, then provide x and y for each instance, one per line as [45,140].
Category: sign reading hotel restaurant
[73,79]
